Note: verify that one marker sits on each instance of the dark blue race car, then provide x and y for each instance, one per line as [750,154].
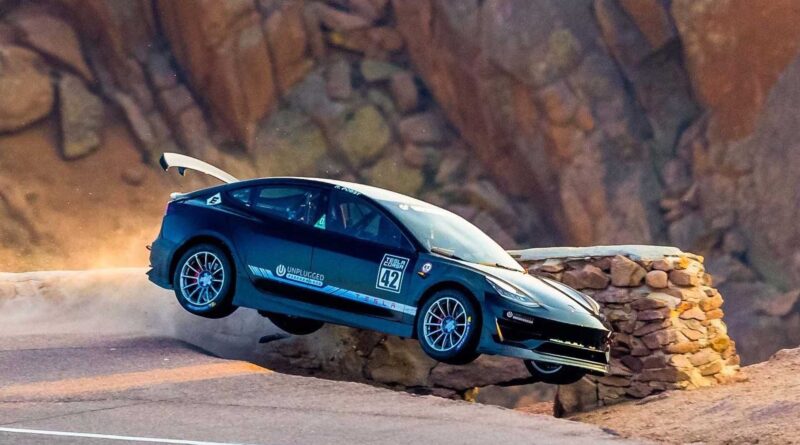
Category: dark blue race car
[305,251]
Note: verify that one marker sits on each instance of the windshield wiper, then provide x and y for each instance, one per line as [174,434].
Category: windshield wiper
[446,252]
[501,266]
[452,254]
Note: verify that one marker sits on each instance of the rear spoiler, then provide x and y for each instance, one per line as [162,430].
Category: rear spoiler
[182,162]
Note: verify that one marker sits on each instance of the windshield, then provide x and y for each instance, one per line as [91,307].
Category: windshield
[449,234]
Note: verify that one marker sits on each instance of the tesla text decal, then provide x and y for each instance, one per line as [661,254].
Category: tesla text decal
[281,275]
[390,274]
[300,275]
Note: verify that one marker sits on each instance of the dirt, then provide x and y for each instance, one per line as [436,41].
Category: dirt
[764,409]
[84,196]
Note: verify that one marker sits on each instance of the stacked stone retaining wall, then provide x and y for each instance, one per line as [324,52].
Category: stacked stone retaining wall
[665,314]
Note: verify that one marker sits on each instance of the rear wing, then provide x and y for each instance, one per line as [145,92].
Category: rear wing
[182,162]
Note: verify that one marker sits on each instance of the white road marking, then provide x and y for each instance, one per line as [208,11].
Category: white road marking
[111,437]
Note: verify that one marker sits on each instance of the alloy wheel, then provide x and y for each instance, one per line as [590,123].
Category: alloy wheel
[446,324]
[202,277]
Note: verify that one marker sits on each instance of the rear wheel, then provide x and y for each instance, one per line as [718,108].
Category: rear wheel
[448,327]
[293,325]
[554,373]
[203,281]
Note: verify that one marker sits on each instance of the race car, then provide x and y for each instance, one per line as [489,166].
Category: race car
[308,251]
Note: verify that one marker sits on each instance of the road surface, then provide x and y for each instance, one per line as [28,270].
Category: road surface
[60,384]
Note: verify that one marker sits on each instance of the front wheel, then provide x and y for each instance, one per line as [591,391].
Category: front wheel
[203,281]
[553,373]
[448,327]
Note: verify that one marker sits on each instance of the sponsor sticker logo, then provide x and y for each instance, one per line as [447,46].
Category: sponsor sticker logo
[426,268]
[300,275]
[214,200]
[390,274]
[519,317]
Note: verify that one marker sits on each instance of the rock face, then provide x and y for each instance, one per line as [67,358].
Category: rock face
[668,333]
[722,41]
[222,47]
[538,68]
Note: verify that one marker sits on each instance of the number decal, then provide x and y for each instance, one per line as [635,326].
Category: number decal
[390,273]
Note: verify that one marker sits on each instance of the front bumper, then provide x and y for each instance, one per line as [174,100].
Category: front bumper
[529,335]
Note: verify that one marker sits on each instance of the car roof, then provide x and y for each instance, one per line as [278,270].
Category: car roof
[369,191]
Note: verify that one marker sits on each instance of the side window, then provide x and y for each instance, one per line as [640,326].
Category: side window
[297,204]
[242,195]
[351,215]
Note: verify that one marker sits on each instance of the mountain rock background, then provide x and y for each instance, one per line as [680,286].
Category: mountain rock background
[543,122]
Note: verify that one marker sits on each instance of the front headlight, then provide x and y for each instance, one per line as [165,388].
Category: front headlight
[510,292]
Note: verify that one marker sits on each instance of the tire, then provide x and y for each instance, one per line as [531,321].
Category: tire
[294,325]
[204,281]
[442,317]
[553,373]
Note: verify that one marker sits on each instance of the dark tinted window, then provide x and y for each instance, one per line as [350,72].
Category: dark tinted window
[351,215]
[242,195]
[296,204]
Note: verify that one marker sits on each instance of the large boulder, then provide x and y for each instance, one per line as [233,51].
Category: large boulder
[117,31]
[286,34]
[26,91]
[53,37]
[364,135]
[81,118]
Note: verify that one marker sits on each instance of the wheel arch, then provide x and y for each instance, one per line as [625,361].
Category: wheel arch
[442,285]
[204,238]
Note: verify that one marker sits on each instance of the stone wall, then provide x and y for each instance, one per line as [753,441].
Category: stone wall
[664,312]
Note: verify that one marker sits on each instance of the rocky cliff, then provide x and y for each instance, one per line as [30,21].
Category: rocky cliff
[544,122]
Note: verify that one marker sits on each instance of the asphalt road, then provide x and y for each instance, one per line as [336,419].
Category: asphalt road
[69,386]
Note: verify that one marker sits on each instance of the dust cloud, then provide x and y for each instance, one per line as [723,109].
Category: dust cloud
[117,302]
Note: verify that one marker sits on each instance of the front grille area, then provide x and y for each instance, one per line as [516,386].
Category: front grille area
[544,329]
[569,351]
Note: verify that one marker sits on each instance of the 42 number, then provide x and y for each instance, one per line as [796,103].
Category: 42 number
[390,279]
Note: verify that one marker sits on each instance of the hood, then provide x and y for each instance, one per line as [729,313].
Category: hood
[563,302]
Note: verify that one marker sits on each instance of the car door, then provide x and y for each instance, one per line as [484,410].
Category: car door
[365,257]
[273,234]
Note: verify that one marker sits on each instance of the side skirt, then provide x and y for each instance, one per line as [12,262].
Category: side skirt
[293,300]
